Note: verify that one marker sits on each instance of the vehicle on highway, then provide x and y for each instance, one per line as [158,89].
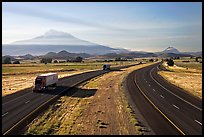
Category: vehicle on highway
[106,67]
[44,80]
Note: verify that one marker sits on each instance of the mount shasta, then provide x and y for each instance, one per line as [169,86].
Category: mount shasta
[56,41]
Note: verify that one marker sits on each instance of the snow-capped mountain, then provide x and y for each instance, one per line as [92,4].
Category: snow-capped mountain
[56,41]
[171,50]
[53,37]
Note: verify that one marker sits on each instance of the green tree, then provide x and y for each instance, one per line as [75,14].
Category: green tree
[78,59]
[196,59]
[170,62]
[46,60]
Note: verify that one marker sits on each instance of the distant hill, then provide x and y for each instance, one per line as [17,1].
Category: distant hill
[7,56]
[56,41]
[128,55]
[165,55]
[199,53]
[173,52]
[65,55]
[27,56]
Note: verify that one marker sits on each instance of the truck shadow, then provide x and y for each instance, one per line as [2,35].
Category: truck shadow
[70,91]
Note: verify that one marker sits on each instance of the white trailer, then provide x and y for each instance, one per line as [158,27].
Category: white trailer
[44,80]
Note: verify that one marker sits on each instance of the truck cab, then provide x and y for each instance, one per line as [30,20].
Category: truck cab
[39,84]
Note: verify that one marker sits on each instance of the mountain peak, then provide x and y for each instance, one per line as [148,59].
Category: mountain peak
[170,50]
[56,34]
[54,37]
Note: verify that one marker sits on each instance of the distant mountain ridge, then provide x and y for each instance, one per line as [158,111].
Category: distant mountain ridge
[65,55]
[56,41]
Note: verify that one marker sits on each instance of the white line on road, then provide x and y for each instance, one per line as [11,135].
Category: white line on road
[27,101]
[175,106]
[4,114]
[173,93]
[198,122]
[153,89]
[17,98]
[161,96]
[149,85]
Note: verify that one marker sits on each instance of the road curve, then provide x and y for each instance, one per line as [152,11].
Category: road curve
[22,105]
[167,109]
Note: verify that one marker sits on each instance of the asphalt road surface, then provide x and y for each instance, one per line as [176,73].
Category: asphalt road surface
[18,106]
[167,109]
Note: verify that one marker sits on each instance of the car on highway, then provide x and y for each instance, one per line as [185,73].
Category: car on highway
[106,67]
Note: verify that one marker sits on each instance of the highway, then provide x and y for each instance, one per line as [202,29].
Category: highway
[20,108]
[167,109]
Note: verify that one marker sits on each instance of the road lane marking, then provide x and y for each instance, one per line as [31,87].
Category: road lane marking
[4,114]
[159,109]
[173,93]
[27,101]
[175,106]
[198,122]
[153,89]
[161,96]
[34,111]
[17,98]
[149,85]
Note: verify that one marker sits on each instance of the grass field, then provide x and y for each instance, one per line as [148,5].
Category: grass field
[191,64]
[8,69]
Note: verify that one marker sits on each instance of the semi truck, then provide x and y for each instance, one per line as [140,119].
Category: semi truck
[44,80]
[106,67]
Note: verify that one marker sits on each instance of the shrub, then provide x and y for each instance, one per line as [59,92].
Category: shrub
[16,62]
[55,61]
[151,60]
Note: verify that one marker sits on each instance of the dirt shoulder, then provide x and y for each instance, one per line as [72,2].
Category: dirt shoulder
[96,107]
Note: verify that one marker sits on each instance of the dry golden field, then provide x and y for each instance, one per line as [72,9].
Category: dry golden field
[187,77]
[16,77]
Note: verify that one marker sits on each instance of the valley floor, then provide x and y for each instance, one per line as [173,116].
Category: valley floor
[96,107]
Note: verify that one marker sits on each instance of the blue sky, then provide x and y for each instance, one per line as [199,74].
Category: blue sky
[141,26]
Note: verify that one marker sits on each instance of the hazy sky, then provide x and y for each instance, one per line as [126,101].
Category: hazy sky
[143,26]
